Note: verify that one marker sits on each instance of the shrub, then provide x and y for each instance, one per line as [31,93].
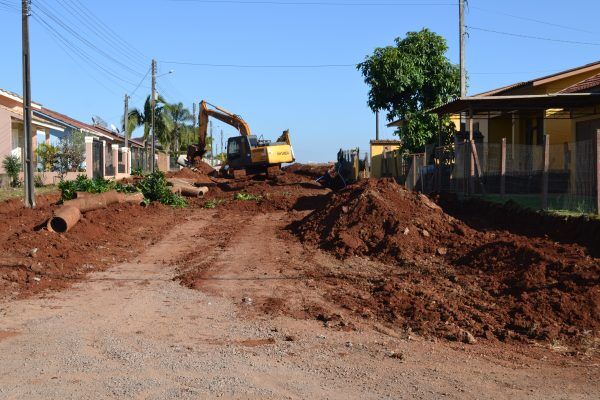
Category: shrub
[47,155]
[12,166]
[38,181]
[153,186]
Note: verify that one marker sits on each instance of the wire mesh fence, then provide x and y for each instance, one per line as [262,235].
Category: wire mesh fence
[559,177]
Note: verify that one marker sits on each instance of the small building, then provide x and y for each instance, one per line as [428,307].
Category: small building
[380,165]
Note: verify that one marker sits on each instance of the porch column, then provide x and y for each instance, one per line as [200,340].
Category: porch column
[115,157]
[103,166]
[89,157]
[471,165]
[126,162]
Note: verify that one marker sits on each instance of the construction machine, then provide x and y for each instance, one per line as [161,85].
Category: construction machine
[247,153]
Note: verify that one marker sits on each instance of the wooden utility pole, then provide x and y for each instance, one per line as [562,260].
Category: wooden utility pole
[27,156]
[222,142]
[463,75]
[153,106]
[376,124]
[125,120]
[212,153]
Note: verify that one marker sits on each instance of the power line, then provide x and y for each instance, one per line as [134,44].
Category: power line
[140,84]
[315,3]
[258,66]
[82,39]
[533,37]
[108,30]
[79,52]
[84,21]
[539,21]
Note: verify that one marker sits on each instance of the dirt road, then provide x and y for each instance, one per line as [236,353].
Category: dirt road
[134,331]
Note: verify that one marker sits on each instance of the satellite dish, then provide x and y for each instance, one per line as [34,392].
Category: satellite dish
[113,127]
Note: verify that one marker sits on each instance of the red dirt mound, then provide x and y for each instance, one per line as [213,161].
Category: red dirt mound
[311,170]
[202,176]
[34,259]
[381,218]
[443,278]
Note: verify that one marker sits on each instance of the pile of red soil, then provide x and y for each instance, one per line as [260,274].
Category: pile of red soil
[441,277]
[34,259]
[311,170]
[200,176]
[382,219]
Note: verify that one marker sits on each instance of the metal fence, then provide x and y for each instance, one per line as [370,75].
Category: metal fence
[547,176]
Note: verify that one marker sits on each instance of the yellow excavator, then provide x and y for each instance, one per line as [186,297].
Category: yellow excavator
[247,153]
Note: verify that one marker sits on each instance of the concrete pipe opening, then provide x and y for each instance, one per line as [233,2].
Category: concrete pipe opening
[64,219]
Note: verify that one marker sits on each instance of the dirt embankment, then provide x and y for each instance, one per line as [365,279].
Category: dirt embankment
[34,259]
[440,276]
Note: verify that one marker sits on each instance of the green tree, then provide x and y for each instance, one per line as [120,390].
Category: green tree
[178,126]
[12,166]
[143,118]
[410,78]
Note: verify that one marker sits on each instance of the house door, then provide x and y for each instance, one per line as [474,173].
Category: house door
[98,159]
[585,156]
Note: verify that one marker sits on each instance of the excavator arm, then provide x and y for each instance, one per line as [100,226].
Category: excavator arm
[222,115]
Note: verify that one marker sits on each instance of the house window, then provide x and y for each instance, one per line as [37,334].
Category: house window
[17,138]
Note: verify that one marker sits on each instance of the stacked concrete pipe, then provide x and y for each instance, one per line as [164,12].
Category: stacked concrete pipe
[70,212]
[186,187]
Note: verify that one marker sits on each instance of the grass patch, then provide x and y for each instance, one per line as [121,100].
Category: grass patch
[19,192]
[241,196]
[214,203]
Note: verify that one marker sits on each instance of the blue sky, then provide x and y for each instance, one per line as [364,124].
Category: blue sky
[324,108]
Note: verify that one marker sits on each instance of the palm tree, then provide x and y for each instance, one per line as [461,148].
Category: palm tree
[144,118]
[178,118]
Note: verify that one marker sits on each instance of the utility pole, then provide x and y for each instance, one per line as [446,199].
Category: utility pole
[222,145]
[153,106]
[377,124]
[463,76]
[194,126]
[27,147]
[125,120]
[212,153]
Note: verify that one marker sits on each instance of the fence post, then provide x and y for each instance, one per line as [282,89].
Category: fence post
[89,156]
[545,172]
[103,166]
[598,171]
[414,171]
[115,158]
[503,168]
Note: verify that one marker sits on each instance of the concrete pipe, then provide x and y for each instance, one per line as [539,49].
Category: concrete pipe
[70,213]
[190,191]
[96,201]
[64,219]
[135,198]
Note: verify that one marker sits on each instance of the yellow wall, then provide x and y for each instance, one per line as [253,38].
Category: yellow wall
[377,157]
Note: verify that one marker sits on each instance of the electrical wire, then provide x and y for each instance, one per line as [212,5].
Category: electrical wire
[86,22]
[257,66]
[142,81]
[532,37]
[78,36]
[316,3]
[80,53]
[538,21]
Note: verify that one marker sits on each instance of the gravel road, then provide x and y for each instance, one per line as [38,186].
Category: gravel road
[134,332]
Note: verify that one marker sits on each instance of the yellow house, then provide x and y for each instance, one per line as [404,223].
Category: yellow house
[379,163]
[528,126]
